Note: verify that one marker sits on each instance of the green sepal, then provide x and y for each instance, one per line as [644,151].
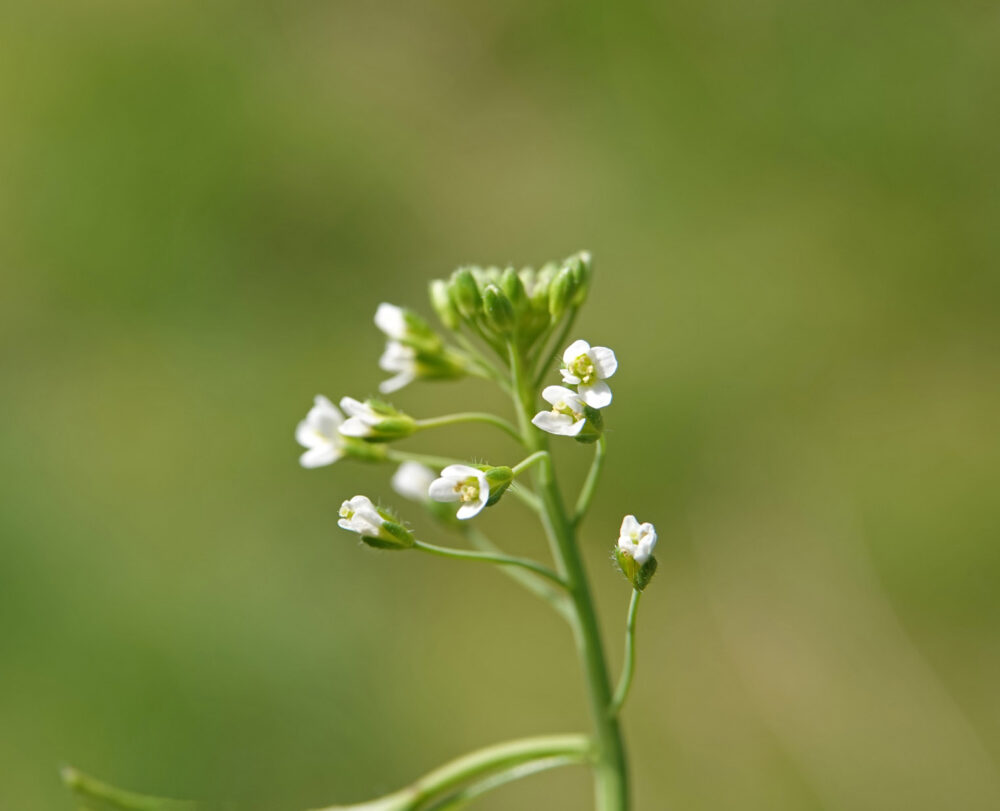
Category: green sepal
[593,428]
[499,479]
[582,267]
[396,536]
[361,449]
[638,576]
[513,288]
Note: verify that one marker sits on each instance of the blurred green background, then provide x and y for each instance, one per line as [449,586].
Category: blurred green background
[794,212]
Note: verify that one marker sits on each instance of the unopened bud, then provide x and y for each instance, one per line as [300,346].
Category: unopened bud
[499,479]
[498,310]
[374,421]
[442,304]
[634,552]
[561,292]
[465,293]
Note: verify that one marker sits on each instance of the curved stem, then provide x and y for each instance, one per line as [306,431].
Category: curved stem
[470,416]
[491,557]
[628,668]
[461,798]
[483,761]
[611,772]
[528,461]
[533,583]
[593,476]
[88,787]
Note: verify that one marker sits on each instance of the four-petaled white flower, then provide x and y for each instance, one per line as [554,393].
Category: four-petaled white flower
[413,480]
[361,418]
[391,320]
[400,359]
[637,540]
[318,432]
[461,483]
[587,368]
[359,515]
[567,417]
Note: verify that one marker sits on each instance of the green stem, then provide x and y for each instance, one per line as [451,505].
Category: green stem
[628,668]
[87,787]
[556,346]
[461,798]
[528,461]
[491,557]
[611,774]
[470,416]
[533,583]
[483,761]
[590,485]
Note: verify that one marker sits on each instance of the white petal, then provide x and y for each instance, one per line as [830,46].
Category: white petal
[390,319]
[559,424]
[397,382]
[412,479]
[306,436]
[467,511]
[569,377]
[630,525]
[355,426]
[640,556]
[596,395]
[398,357]
[352,407]
[553,394]
[443,490]
[605,362]
[574,350]
[319,456]
[459,473]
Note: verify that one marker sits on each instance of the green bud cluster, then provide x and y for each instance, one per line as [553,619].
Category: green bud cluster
[503,303]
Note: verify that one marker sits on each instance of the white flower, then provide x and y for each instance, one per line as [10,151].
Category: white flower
[361,418]
[637,540]
[318,432]
[359,515]
[391,320]
[566,417]
[400,359]
[587,368]
[413,480]
[461,483]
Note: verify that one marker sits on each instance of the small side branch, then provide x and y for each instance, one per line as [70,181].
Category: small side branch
[461,798]
[491,557]
[471,416]
[590,484]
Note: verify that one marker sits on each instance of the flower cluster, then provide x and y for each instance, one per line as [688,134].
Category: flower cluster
[587,368]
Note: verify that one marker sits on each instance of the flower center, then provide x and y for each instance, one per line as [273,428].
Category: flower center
[346,512]
[468,490]
[583,367]
[562,407]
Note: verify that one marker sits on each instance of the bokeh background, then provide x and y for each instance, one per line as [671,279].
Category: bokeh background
[794,212]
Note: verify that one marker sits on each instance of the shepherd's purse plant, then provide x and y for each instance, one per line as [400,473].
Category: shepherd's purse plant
[506,327]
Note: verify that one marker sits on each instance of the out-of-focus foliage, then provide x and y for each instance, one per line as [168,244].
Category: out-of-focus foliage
[793,209]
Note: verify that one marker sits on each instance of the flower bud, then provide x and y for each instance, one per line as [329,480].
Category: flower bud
[376,527]
[582,267]
[513,288]
[442,304]
[375,421]
[498,310]
[561,293]
[634,552]
[465,293]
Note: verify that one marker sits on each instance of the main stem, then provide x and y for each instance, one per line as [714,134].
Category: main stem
[610,769]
